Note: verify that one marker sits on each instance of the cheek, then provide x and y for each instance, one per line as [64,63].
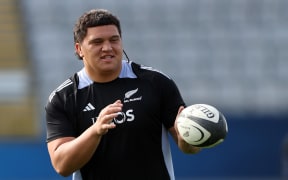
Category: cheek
[91,50]
[118,49]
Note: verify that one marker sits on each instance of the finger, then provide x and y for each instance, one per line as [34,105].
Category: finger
[109,110]
[110,125]
[175,124]
[106,127]
[109,117]
[180,109]
[117,102]
[112,110]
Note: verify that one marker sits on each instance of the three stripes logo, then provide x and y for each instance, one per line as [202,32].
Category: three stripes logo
[89,107]
[62,86]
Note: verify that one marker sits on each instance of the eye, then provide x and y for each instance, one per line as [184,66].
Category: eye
[115,39]
[96,41]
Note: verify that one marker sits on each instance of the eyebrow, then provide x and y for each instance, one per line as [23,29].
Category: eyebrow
[100,39]
[94,40]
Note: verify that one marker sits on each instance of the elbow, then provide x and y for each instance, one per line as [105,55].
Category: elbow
[63,172]
[191,150]
[188,148]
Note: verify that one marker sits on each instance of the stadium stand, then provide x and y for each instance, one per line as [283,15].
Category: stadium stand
[228,53]
[17,110]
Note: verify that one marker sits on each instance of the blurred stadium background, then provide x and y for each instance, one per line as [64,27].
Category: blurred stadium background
[232,54]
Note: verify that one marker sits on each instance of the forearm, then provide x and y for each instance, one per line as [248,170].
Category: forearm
[69,154]
[72,155]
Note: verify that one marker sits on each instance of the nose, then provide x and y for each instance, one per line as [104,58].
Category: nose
[106,46]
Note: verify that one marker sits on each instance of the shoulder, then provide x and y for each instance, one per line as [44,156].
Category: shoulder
[143,71]
[64,90]
[164,84]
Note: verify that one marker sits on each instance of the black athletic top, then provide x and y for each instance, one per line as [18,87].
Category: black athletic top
[138,147]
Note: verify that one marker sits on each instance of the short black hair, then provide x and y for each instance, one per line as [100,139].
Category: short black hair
[93,18]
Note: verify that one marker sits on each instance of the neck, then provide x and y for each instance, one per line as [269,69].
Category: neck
[103,77]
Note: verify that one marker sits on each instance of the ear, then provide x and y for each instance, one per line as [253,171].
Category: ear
[78,49]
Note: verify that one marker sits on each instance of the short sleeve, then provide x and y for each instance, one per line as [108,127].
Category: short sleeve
[171,99]
[59,117]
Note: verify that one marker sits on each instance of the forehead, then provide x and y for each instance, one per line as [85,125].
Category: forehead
[105,31]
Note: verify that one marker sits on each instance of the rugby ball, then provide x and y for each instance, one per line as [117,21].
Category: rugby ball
[202,125]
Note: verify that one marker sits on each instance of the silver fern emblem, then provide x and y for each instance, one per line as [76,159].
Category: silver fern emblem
[130,93]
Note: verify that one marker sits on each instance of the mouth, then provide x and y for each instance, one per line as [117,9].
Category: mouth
[107,57]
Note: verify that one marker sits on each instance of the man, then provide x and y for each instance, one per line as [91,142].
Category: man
[110,120]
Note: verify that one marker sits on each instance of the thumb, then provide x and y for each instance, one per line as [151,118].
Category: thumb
[180,109]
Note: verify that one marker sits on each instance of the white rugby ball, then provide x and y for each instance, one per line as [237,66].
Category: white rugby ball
[202,125]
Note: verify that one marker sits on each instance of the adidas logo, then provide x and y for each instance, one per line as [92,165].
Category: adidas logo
[89,107]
